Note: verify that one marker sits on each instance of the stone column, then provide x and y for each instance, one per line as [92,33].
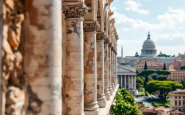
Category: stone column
[128,81]
[125,81]
[1,40]
[115,65]
[74,79]
[106,66]
[132,79]
[181,101]
[43,57]
[115,79]
[110,67]
[90,68]
[100,69]
[135,82]
[121,81]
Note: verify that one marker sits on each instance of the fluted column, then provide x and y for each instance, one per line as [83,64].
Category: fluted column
[110,67]
[128,81]
[121,81]
[74,79]
[125,81]
[1,39]
[135,82]
[90,67]
[132,79]
[100,69]
[106,66]
[115,69]
[43,57]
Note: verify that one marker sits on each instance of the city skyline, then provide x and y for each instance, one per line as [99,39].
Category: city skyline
[166,23]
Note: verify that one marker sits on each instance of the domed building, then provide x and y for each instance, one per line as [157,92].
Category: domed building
[148,49]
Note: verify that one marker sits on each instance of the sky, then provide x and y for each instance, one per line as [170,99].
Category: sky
[165,19]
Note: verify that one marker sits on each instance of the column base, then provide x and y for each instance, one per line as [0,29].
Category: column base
[113,87]
[91,106]
[92,112]
[102,102]
[107,94]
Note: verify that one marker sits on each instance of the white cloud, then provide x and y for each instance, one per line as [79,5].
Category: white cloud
[174,18]
[129,23]
[135,7]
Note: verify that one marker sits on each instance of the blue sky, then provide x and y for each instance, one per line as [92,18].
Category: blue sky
[165,19]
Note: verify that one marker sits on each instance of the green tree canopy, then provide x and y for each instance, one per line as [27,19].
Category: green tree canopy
[183,83]
[163,72]
[161,78]
[137,72]
[147,72]
[182,68]
[139,82]
[124,104]
[162,88]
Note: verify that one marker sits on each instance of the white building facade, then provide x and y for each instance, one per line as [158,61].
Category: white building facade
[126,77]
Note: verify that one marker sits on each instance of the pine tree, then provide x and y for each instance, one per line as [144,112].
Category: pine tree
[145,67]
[164,67]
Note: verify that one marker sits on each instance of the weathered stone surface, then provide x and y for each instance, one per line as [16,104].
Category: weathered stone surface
[15,99]
[13,80]
[90,72]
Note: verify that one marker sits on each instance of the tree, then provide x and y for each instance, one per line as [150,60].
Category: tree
[146,73]
[183,83]
[139,82]
[162,88]
[124,104]
[155,77]
[137,72]
[163,72]
[182,68]
[162,78]
[164,67]
[145,67]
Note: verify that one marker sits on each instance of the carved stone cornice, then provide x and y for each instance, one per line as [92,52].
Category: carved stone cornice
[91,26]
[74,10]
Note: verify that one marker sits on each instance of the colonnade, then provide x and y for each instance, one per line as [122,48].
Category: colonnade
[127,81]
[70,63]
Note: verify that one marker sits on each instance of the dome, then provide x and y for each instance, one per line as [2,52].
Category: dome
[148,47]
[149,43]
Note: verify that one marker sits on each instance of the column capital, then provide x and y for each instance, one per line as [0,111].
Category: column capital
[100,36]
[110,44]
[106,41]
[74,9]
[91,26]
